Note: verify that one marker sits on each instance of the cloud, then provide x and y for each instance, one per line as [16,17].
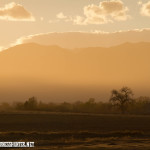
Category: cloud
[41,18]
[71,40]
[1,48]
[105,12]
[139,2]
[61,16]
[79,20]
[15,12]
[145,9]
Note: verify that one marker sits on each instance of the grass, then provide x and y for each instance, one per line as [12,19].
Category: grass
[77,131]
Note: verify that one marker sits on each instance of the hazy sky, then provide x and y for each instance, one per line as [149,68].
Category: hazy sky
[19,18]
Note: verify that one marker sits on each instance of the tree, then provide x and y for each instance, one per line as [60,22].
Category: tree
[31,104]
[121,98]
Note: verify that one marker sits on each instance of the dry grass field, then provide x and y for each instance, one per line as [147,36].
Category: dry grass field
[77,131]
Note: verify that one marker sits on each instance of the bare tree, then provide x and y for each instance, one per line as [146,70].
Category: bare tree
[31,104]
[121,98]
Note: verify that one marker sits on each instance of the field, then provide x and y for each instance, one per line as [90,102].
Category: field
[77,131]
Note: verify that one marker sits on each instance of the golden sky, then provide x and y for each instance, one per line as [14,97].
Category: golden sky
[33,69]
[26,18]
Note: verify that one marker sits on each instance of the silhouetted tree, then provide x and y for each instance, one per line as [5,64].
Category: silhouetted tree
[31,104]
[121,98]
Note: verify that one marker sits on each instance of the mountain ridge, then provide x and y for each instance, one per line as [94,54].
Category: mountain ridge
[33,44]
[33,68]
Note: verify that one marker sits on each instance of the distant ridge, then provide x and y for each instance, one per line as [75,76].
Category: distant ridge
[28,68]
[37,45]
[71,40]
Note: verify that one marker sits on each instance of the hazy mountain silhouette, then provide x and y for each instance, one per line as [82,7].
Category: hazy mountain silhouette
[71,40]
[53,73]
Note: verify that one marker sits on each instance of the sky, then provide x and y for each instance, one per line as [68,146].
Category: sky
[23,18]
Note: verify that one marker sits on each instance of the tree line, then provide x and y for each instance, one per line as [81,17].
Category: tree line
[121,101]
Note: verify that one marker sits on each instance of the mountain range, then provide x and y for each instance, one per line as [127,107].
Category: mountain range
[52,73]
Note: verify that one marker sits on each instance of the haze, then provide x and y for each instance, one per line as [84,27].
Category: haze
[73,50]
[57,74]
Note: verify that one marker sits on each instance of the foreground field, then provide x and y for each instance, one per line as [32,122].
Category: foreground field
[77,131]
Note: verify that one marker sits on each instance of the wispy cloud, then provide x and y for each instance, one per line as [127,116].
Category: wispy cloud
[1,48]
[41,18]
[15,12]
[139,2]
[145,9]
[105,12]
[61,15]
